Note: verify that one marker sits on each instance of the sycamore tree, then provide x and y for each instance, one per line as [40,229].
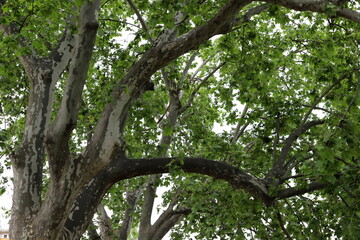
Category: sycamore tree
[90,122]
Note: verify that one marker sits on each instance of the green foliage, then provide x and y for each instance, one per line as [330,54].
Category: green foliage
[278,64]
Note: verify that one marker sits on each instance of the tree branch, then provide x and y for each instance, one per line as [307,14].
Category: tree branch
[219,170]
[132,198]
[145,220]
[106,230]
[168,218]
[322,96]
[142,22]
[203,81]
[187,68]
[295,191]
[278,169]
[66,118]
[319,6]
[281,223]
[238,132]
[107,136]
[170,221]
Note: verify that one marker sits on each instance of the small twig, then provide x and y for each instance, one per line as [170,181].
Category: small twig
[118,21]
[318,108]
[292,177]
[296,215]
[162,117]
[192,96]
[277,137]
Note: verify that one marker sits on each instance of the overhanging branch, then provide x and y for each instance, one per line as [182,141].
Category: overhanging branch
[129,168]
[319,6]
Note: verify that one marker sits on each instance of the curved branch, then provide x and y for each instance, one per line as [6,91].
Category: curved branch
[121,168]
[319,6]
[128,168]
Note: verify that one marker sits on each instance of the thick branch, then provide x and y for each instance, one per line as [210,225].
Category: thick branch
[66,118]
[318,6]
[237,178]
[122,168]
[295,191]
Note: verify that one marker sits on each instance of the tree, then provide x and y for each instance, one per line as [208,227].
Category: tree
[88,116]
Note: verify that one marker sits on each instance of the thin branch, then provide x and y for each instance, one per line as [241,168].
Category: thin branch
[237,131]
[245,18]
[296,215]
[278,167]
[166,221]
[142,22]
[292,177]
[318,108]
[118,21]
[322,96]
[203,81]
[162,116]
[281,223]
[197,70]
[254,11]
[187,68]
[176,216]
[132,198]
